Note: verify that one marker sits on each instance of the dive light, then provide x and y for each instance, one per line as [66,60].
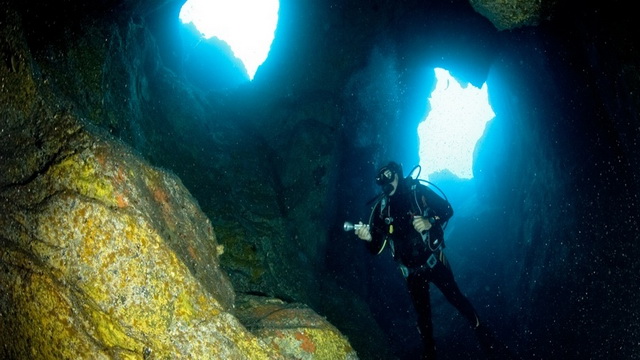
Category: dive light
[348,226]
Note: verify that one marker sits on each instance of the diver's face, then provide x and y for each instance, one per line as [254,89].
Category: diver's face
[390,187]
[388,180]
[394,183]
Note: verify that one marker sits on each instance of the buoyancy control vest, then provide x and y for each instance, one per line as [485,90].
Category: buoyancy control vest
[391,220]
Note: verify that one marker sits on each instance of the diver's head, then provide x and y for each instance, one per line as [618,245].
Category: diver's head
[388,177]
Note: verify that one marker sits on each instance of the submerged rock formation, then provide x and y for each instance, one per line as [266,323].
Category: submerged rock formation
[103,255]
[295,329]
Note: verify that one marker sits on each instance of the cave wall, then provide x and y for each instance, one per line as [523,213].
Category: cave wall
[565,174]
[278,164]
[571,163]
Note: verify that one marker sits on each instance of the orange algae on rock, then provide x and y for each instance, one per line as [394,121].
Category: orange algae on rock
[306,343]
[122,201]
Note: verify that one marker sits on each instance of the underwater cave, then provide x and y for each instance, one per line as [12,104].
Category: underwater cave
[156,199]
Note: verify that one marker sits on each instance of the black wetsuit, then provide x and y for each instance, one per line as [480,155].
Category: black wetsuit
[420,256]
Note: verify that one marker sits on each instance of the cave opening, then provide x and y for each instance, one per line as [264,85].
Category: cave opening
[246,26]
[449,133]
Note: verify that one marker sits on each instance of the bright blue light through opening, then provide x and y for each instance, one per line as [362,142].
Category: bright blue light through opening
[449,133]
[247,26]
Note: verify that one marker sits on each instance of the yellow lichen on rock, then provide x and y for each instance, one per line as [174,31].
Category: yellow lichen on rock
[121,288]
[78,173]
[110,333]
[43,316]
[131,283]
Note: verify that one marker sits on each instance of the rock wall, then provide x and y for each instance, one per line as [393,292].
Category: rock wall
[104,255]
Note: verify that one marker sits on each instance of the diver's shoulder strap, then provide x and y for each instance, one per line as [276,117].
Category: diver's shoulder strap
[378,240]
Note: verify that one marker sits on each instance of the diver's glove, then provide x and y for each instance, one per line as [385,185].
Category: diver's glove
[363,232]
[422,224]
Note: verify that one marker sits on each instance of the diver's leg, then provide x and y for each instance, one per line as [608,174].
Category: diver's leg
[442,277]
[419,291]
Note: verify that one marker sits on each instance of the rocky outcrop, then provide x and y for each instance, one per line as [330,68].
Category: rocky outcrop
[103,255]
[508,15]
[293,328]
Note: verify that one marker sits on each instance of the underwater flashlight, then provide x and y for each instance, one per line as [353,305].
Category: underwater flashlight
[350,226]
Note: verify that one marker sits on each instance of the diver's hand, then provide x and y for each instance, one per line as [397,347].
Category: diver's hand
[363,232]
[421,224]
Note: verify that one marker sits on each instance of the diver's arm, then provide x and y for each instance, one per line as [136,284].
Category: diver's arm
[441,209]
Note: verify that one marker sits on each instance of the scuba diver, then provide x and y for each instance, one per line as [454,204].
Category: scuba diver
[410,217]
